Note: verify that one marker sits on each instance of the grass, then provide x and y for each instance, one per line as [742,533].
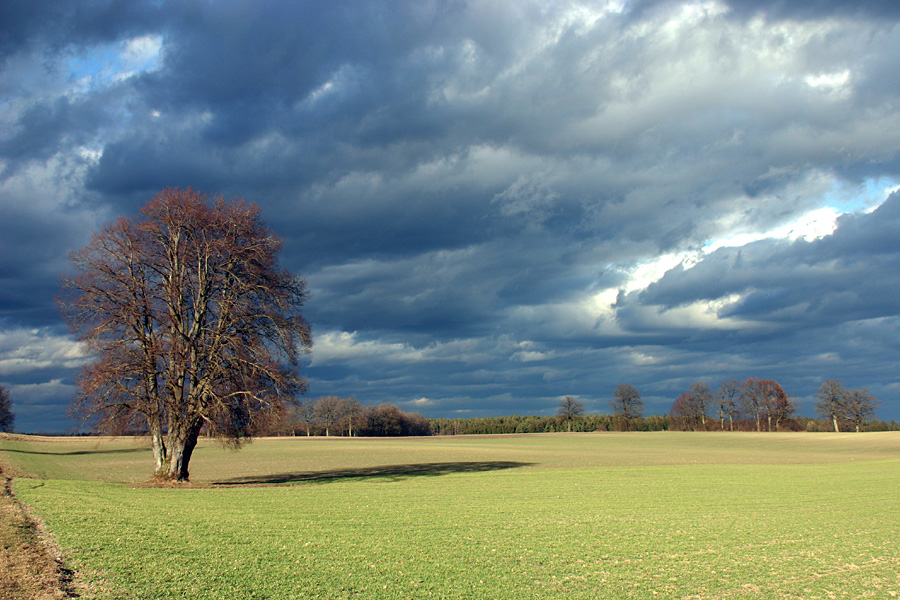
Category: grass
[665,515]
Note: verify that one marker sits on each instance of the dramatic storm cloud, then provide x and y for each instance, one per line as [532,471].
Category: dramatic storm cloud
[495,204]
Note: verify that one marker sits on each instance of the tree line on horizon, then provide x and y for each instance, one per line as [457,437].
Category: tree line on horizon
[763,405]
[751,405]
[334,416]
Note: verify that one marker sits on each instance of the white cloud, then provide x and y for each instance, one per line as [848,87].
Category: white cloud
[339,346]
[142,53]
[833,81]
[25,350]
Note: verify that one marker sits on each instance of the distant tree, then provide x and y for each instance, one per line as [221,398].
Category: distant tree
[727,398]
[570,410]
[328,411]
[765,399]
[350,414]
[299,416]
[7,418]
[702,400]
[387,420]
[414,424]
[626,404]
[860,407]
[777,405]
[192,323]
[683,414]
[306,412]
[751,400]
[833,401]
[689,411]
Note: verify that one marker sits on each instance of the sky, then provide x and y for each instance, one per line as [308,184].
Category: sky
[495,204]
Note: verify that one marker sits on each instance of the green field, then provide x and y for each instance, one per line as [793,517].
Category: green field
[653,515]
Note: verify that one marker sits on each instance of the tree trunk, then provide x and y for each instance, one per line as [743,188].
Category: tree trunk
[160,454]
[835,421]
[181,445]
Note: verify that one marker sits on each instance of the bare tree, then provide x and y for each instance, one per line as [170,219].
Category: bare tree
[860,407]
[627,404]
[765,398]
[350,414]
[690,410]
[777,406]
[751,400]
[328,411]
[702,399]
[384,420]
[306,411]
[570,410]
[727,398]
[7,418]
[684,413]
[192,322]
[833,400]
[387,420]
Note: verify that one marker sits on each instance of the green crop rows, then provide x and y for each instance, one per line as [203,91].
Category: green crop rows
[568,516]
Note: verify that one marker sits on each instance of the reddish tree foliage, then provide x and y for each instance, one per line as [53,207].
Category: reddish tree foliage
[683,414]
[690,410]
[764,399]
[191,321]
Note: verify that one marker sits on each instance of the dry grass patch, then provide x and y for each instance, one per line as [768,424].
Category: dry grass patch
[29,568]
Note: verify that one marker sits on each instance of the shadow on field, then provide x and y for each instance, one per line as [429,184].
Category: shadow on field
[78,452]
[390,472]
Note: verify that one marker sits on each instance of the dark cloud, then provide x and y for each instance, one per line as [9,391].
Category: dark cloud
[847,276]
[494,204]
[50,27]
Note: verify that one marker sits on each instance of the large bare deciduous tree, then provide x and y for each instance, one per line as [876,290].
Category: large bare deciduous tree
[192,323]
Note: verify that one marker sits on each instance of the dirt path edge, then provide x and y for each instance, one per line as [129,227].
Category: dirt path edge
[31,564]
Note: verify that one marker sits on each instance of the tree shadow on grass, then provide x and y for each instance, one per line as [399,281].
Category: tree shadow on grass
[78,452]
[389,472]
